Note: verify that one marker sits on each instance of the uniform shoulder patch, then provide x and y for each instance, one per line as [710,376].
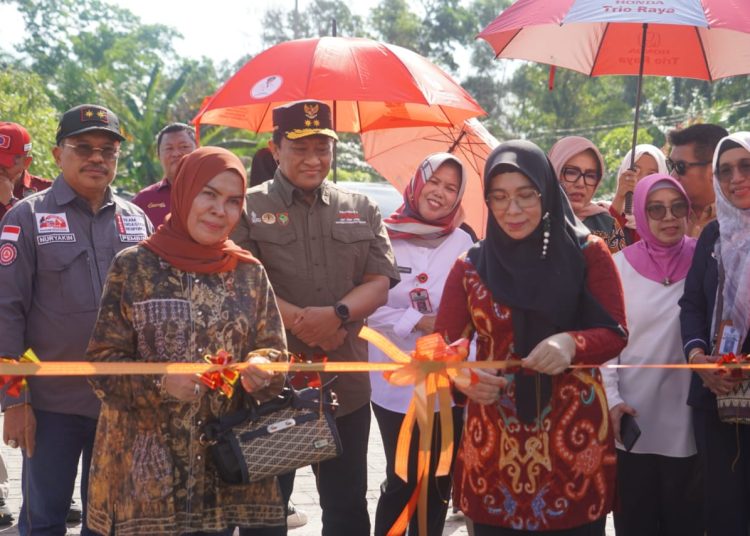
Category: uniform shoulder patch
[8,254]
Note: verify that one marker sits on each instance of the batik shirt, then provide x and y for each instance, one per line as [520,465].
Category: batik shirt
[557,472]
[149,473]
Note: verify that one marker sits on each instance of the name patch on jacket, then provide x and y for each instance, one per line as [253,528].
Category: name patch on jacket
[130,228]
[348,217]
[55,238]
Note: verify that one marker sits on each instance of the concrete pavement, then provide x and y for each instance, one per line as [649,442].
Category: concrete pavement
[305,496]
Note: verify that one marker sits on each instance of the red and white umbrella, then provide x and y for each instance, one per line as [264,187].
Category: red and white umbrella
[703,39]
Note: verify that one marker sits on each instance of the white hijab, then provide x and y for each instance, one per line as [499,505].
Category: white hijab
[734,248]
[640,150]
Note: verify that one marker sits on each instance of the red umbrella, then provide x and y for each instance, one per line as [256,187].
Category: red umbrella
[396,153]
[371,85]
[703,39]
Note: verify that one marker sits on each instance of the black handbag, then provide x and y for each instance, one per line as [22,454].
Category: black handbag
[295,429]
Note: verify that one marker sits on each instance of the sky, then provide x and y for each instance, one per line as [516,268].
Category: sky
[228,31]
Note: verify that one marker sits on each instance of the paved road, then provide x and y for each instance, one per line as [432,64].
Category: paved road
[305,496]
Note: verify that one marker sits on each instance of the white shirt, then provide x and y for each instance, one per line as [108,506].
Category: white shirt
[658,395]
[397,318]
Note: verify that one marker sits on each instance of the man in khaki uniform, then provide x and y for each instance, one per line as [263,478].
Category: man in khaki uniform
[331,264]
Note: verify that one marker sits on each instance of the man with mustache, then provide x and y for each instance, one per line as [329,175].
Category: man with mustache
[55,251]
[172,143]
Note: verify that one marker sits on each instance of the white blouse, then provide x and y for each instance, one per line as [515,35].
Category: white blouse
[397,318]
[659,396]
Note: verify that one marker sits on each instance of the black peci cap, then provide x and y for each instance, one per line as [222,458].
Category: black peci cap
[88,118]
[303,118]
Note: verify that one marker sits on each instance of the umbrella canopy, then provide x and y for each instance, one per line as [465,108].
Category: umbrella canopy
[703,39]
[396,153]
[370,85]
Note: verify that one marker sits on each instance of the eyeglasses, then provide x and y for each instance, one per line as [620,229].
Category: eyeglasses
[572,174]
[681,167]
[524,199]
[86,151]
[726,171]
[658,212]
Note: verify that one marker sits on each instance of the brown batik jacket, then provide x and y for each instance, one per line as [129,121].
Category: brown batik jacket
[149,474]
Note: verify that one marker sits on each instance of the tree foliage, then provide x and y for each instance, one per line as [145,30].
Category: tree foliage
[77,51]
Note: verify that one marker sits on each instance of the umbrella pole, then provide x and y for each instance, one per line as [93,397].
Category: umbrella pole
[629,195]
[335,148]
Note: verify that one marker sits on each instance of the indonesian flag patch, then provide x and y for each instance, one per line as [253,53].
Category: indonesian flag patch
[10,232]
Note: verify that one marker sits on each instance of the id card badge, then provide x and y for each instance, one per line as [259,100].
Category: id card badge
[420,300]
[729,338]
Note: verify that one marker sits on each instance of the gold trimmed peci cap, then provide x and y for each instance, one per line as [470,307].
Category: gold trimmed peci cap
[303,118]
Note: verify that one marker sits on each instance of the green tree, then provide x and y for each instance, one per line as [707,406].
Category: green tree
[32,109]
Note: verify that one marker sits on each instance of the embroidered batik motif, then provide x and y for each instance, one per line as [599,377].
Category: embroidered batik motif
[554,473]
[150,474]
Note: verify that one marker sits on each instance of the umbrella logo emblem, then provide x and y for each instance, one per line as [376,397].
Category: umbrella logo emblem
[266,86]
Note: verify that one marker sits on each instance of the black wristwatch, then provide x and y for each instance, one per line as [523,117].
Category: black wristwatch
[342,311]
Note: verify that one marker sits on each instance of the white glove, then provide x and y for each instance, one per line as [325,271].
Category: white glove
[552,355]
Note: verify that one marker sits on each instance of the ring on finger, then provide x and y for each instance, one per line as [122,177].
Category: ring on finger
[12,443]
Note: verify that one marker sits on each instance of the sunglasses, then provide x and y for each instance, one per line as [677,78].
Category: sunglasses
[86,151]
[681,167]
[572,174]
[658,212]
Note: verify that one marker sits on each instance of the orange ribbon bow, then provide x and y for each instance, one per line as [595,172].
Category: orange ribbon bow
[224,378]
[427,368]
[13,385]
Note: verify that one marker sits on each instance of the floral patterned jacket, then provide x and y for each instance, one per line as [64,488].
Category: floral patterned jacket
[149,473]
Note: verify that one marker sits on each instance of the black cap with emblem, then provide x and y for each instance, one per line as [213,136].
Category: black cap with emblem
[88,118]
[303,118]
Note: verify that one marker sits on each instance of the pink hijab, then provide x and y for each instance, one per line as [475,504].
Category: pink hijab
[565,149]
[653,259]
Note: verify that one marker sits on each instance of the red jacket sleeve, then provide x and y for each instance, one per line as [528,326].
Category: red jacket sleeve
[454,318]
[597,345]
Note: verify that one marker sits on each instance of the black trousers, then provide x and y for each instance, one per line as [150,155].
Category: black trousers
[591,529]
[395,493]
[658,495]
[726,483]
[342,482]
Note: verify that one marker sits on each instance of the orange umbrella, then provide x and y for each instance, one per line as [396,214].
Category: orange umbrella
[396,153]
[370,85]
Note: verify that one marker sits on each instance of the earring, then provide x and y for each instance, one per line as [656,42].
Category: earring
[545,234]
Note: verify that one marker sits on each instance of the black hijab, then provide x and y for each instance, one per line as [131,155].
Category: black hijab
[546,294]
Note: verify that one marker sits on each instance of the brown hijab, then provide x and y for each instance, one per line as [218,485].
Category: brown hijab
[172,241]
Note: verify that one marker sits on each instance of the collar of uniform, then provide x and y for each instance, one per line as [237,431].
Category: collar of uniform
[164,183]
[64,194]
[287,189]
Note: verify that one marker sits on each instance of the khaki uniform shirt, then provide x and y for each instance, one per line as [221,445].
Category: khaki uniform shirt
[314,255]
[54,258]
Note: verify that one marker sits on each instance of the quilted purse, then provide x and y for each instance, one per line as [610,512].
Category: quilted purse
[291,431]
